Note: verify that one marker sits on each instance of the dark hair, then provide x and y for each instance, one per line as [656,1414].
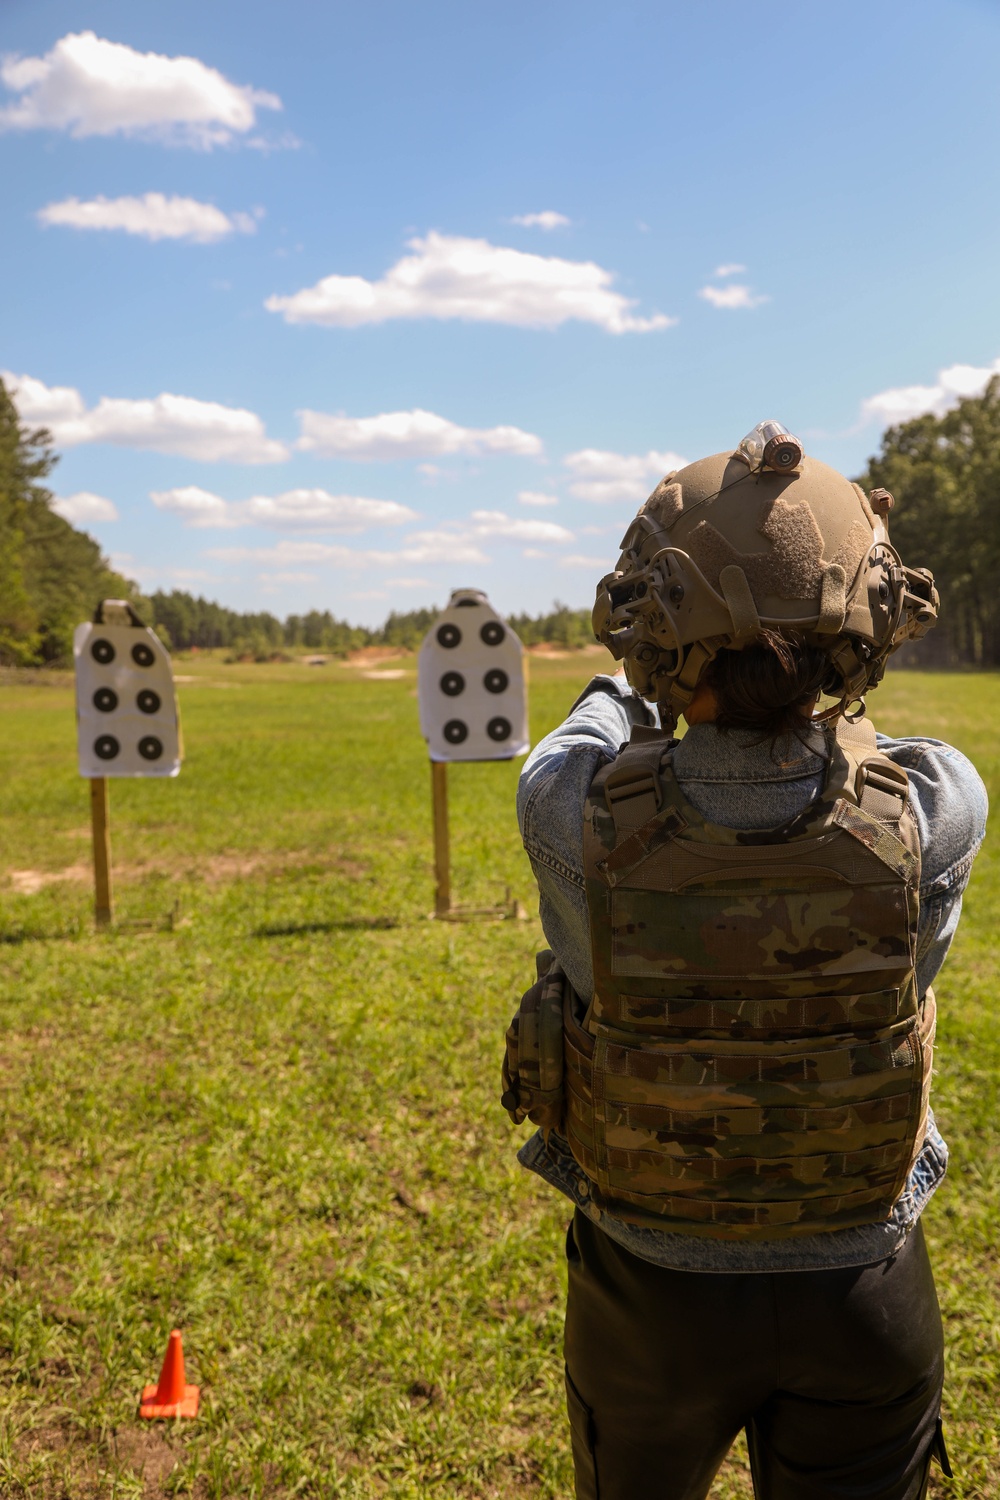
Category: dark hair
[767,686]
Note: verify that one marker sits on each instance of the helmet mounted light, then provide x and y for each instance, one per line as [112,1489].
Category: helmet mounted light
[770,445]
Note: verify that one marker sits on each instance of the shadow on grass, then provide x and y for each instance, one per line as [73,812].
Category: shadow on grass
[347,924]
[15,939]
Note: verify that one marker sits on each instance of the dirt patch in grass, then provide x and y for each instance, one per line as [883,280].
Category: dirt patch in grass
[215,869]
[49,1464]
[370,656]
[30,882]
[35,677]
[146,1450]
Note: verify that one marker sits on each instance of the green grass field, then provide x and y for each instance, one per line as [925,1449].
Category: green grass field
[275,1125]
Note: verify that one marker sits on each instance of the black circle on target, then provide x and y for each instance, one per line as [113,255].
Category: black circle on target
[106,747]
[496,681]
[150,748]
[105,700]
[448,636]
[148,701]
[455,731]
[143,655]
[498,729]
[492,633]
[452,683]
[102,651]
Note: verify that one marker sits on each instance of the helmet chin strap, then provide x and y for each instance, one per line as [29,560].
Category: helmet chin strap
[839,710]
[684,684]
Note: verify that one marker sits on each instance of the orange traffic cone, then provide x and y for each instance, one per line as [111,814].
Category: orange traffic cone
[171,1398]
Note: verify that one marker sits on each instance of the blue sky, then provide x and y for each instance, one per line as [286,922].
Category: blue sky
[266,281]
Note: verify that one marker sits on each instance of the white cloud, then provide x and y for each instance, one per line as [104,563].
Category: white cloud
[516,529]
[295,510]
[125,563]
[732,296]
[439,547]
[420,547]
[601,477]
[536,498]
[575,560]
[406,434]
[84,507]
[288,577]
[901,403]
[153,216]
[316,510]
[548,219]
[454,543]
[191,575]
[731,269]
[180,425]
[195,506]
[450,277]
[89,86]
[49,405]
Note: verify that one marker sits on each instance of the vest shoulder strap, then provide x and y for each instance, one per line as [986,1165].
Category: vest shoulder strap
[633,792]
[881,788]
[632,781]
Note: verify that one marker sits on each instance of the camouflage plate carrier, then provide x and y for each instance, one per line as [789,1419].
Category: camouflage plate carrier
[754,1063]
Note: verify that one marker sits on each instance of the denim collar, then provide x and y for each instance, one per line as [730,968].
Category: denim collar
[707,754]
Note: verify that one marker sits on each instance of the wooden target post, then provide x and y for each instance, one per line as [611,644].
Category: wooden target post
[473,706]
[442,851]
[101,831]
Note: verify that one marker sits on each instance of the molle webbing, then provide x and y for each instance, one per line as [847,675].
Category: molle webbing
[754,1062]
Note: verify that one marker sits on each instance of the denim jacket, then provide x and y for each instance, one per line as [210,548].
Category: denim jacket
[741,784]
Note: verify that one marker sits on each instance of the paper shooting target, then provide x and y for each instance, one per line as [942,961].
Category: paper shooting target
[126,708]
[470,683]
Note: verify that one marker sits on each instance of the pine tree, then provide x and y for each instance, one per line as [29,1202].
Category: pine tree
[51,575]
[945,474]
[25,458]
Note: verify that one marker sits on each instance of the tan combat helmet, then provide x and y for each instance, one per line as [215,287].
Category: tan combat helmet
[765,536]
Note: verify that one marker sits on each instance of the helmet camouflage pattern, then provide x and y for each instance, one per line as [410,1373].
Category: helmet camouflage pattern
[762,537]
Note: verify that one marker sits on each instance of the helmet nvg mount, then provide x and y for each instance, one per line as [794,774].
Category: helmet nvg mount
[762,537]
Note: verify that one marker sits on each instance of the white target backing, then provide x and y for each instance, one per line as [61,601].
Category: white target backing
[126,707]
[470,683]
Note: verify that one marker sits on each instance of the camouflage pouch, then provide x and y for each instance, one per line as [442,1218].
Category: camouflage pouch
[533,1064]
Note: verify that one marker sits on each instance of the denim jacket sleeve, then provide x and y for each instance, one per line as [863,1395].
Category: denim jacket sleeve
[550,798]
[949,800]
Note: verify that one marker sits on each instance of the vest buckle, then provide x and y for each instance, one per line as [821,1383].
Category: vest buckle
[882,789]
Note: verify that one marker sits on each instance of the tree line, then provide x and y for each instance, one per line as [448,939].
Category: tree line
[943,470]
[186,622]
[51,575]
[945,475]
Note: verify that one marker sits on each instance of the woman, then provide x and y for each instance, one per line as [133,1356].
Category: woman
[745,926]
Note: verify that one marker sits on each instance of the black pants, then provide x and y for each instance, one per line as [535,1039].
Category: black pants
[836,1376]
